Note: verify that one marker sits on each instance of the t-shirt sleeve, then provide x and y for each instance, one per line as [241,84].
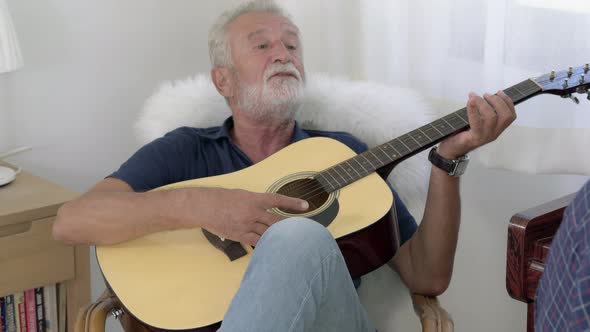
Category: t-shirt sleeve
[407,223]
[157,163]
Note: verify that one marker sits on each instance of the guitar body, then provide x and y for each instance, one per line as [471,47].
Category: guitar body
[178,280]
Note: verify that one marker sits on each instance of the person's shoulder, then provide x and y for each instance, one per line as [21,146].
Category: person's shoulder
[347,138]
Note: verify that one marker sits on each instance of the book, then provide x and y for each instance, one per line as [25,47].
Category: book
[50,305]
[19,312]
[31,310]
[61,311]
[2,313]
[9,313]
[39,309]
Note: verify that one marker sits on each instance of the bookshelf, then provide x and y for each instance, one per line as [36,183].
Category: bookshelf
[29,256]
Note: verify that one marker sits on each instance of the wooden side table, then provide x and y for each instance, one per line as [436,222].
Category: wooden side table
[29,256]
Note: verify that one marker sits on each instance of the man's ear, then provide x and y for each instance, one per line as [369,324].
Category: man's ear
[221,78]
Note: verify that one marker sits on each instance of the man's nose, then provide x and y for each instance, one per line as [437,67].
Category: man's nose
[281,53]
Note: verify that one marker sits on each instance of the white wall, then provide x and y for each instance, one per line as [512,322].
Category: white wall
[6,134]
[89,65]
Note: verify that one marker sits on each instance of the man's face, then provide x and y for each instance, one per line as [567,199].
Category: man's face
[267,70]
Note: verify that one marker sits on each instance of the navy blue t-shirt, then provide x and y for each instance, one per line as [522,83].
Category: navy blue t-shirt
[189,153]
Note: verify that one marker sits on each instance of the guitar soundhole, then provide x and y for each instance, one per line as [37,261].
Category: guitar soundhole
[307,189]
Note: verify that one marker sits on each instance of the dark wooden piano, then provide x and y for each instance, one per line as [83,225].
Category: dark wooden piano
[529,236]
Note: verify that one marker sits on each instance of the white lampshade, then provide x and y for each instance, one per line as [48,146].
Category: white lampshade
[10,55]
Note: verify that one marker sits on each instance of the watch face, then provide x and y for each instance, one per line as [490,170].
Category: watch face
[460,168]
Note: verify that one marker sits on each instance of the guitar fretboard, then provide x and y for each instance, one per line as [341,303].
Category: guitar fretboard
[409,144]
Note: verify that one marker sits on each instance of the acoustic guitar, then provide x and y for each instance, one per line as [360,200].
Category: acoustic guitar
[186,279]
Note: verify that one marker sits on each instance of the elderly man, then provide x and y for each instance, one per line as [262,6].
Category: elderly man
[257,62]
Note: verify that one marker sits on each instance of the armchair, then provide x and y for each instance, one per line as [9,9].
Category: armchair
[374,113]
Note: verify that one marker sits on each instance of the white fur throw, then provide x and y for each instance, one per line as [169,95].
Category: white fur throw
[372,112]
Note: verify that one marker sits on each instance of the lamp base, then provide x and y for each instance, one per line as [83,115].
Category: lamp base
[7,175]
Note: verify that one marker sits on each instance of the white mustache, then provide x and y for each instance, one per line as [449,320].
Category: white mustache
[276,68]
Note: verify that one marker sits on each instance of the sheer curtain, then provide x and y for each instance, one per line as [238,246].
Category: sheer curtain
[446,48]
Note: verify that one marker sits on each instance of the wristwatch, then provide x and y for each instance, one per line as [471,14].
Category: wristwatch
[453,167]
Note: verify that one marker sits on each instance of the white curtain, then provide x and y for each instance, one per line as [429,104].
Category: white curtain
[10,54]
[446,48]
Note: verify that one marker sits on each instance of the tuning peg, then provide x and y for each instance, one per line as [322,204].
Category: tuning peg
[586,68]
[582,79]
[565,83]
[552,75]
[588,97]
[570,71]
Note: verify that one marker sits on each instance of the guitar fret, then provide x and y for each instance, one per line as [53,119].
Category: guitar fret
[369,161]
[420,137]
[412,137]
[332,176]
[441,134]
[345,171]
[442,125]
[353,168]
[407,147]
[423,133]
[410,142]
[389,151]
[377,158]
[361,165]
[460,117]
[385,155]
[447,122]
[325,183]
[335,171]
[393,147]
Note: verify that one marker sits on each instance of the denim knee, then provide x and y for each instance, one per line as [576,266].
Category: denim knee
[299,236]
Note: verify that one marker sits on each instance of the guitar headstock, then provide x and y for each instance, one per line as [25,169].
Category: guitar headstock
[566,82]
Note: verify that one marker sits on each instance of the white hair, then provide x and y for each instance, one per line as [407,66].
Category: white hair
[219,48]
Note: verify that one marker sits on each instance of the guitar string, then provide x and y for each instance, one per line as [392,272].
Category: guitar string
[429,130]
[313,186]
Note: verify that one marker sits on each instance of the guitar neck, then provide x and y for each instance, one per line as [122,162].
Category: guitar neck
[409,144]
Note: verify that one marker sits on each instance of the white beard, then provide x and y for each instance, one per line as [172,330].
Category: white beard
[279,98]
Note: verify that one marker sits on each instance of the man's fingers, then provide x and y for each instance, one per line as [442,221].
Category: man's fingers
[268,218]
[285,202]
[250,239]
[510,115]
[475,120]
[507,99]
[259,228]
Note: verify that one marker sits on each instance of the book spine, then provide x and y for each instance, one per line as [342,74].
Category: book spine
[31,310]
[22,315]
[9,314]
[39,309]
[50,307]
[2,315]
[19,299]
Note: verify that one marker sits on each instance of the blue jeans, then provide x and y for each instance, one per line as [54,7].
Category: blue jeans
[297,280]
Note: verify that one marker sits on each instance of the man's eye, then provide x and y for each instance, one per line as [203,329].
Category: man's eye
[262,46]
[291,47]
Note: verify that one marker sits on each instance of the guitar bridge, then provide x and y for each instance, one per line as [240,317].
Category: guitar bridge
[232,249]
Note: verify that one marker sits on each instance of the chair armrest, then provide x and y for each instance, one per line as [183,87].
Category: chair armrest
[92,318]
[432,316]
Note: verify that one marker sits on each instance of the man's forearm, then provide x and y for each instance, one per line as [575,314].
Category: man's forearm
[113,217]
[425,262]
